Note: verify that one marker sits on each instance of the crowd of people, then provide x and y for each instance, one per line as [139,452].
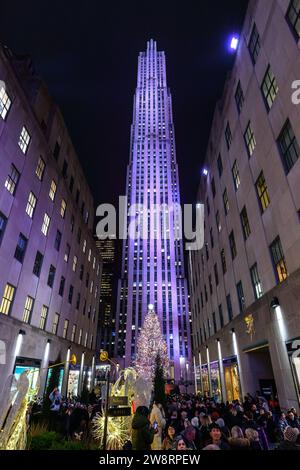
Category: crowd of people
[189,422]
[186,422]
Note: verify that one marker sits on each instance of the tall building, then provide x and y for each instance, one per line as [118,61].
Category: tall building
[107,319]
[245,282]
[51,268]
[153,267]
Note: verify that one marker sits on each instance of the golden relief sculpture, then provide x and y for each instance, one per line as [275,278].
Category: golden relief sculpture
[249,320]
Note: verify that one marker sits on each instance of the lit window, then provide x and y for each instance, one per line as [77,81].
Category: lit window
[80,336]
[24,140]
[94,262]
[7,299]
[73,332]
[5,103]
[46,223]
[40,168]
[86,339]
[52,190]
[262,192]
[269,88]
[288,146]
[292,16]
[65,330]
[74,263]
[67,253]
[44,315]
[278,260]
[28,309]
[63,208]
[256,284]
[90,254]
[31,203]
[249,139]
[84,246]
[236,176]
[254,44]
[55,323]
[12,180]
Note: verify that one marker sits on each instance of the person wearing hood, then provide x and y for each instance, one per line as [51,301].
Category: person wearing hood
[142,432]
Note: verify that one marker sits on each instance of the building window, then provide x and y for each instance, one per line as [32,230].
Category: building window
[57,240]
[221,316]
[90,254]
[3,221]
[91,341]
[223,261]
[228,136]
[7,299]
[239,97]
[208,206]
[278,260]
[213,187]
[74,263]
[220,165]
[70,296]
[52,190]
[51,275]
[73,333]
[67,253]
[38,264]
[80,336]
[254,44]
[5,103]
[55,324]
[79,235]
[65,169]
[236,176]
[269,88]
[249,139]
[12,180]
[214,322]
[78,301]
[232,245]
[24,140]
[84,246]
[256,284]
[288,146]
[46,223]
[81,272]
[72,223]
[31,203]
[216,274]
[226,202]
[56,150]
[71,185]
[61,286]
[210,285]
[218,222]
[44,315]
[63,207]
[21,248]
[245,223]
[229,307]
[87,280]
[292,16]
[65,330]
[206,250]
[211,237]
[240,294]
[27,309]
[262,192]
[40,168]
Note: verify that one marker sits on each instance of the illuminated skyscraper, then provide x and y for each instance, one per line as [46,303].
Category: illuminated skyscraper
[153,266]
[106,326]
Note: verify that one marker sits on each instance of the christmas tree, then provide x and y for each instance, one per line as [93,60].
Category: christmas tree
[150,344]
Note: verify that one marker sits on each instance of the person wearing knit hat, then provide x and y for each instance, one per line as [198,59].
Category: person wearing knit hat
[291,434]
[290,437]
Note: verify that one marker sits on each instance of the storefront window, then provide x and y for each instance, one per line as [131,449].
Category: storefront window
[205,380]
[232,382]
[32,374]
[215,381]
[293,349]
[61,376]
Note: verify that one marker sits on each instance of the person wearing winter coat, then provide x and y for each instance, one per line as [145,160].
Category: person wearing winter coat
[142,433]
[158,421]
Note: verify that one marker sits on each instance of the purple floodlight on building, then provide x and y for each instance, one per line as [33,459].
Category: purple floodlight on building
[153,268]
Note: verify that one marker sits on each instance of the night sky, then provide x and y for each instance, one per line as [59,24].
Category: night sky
[87,54]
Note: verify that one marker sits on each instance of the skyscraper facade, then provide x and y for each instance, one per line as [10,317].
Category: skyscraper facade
[153,263]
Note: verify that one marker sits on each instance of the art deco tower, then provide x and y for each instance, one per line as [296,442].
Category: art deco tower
[153,267]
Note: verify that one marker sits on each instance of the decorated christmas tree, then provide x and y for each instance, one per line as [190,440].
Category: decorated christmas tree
[150,344]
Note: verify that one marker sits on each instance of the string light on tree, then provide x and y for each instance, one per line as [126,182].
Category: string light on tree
[150,344]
